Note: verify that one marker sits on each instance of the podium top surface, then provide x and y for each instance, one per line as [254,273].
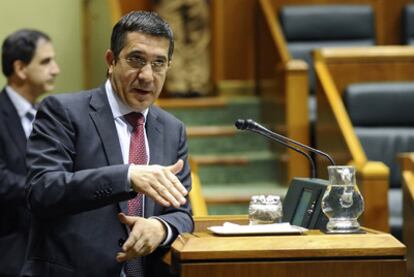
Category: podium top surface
[312,244]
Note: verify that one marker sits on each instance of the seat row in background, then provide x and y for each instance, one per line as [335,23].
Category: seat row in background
[352,38]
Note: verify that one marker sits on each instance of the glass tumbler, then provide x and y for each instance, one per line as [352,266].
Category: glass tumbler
[265,209]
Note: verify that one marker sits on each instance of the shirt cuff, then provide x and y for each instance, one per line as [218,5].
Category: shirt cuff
[129,175]
[168,238]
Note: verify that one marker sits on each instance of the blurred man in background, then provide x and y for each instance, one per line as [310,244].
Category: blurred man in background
[28,63]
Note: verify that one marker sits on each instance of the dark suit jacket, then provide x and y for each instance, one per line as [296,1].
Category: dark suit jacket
[14,216]
[77,184]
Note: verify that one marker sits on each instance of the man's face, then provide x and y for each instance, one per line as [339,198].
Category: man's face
[42,70]
[138,74]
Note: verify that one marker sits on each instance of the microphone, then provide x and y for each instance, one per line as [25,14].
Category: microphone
[251,125]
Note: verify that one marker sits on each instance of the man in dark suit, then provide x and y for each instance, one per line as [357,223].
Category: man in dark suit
[88,161]
[29,66]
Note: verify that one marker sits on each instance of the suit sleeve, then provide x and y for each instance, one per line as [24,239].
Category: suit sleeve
[12,185]
[181,219]
[54,187]
[12,180]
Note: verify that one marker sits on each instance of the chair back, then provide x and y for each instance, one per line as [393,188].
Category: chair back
[383,117]
[307,27]
[408,24]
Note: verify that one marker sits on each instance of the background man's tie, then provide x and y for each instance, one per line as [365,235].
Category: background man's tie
[30,115]
[137,155]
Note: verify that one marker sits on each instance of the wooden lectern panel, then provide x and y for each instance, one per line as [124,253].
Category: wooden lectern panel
[311,254]
[336,268]
[313,244]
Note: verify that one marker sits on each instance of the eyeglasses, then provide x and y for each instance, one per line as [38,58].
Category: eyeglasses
[157,66]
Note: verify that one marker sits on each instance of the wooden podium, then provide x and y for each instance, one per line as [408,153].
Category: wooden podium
[203,254]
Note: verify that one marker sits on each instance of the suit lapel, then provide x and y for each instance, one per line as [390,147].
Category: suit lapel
[103,119]
[12,122]
[155,136]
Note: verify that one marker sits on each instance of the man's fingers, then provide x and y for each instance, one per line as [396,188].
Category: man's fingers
[159,192]
[132,254]
[168,188]
[152,193]
[167,195]
[160,183]
[128,220]
[132,245]
[127,255]
[133,238]
[177,186]
[121,257]
[145,236]
[172,171]
[177,167]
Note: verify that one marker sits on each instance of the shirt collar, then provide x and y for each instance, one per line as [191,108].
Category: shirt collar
[20,103]
[119,109]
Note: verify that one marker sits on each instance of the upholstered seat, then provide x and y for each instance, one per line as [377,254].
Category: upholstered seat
[383,118]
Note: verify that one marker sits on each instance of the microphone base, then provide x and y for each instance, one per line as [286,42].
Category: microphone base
[302,204]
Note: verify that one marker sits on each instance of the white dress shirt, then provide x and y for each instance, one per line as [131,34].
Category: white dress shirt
[23,107]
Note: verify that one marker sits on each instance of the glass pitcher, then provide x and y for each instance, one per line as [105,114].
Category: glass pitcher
[342,202]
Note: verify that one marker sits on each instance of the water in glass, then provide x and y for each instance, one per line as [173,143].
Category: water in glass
[342,202]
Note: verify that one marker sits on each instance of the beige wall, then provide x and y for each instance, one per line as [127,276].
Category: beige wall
[99,39]
[62,20]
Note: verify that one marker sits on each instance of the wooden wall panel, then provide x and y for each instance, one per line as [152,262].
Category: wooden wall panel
[233,39]
[130,5]
[392,28]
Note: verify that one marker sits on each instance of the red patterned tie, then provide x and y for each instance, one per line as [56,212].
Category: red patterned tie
[137,155]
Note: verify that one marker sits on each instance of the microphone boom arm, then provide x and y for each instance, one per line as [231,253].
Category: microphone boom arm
[276,135]
[251,125]
[290,147]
